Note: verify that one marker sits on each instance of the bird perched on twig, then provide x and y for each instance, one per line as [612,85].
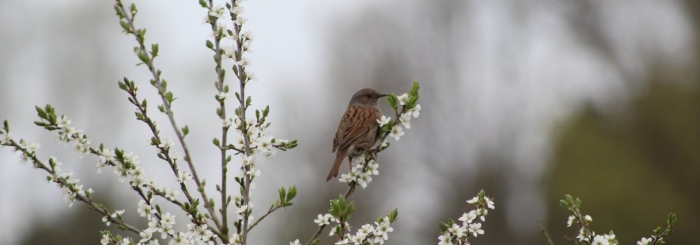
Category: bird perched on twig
[358,130]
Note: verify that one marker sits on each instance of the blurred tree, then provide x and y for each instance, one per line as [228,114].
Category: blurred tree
[633,168]
[79,226]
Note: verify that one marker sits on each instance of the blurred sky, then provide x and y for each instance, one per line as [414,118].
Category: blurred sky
[519,66]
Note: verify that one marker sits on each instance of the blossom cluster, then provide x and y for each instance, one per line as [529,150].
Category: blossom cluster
[586,236]
[67,134]
[70,188]
[452,233]
[408,110]
[362,171]
[368,233]
[589,237]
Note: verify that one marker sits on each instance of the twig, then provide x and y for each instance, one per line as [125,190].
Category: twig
[349,192]
[83,198]
[222,115]
[166,104]
[373,155]
[263,217]
[546,234]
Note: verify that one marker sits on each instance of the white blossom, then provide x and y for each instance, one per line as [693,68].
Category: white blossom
[183,176]
[644,241]
[600,240]
[406,120]
[489,203]
[144,209]
[403,99]
[105,239]
[475,229]
[383,121]
[170,194]
[381,233]
[396,132]
[323,219]
[456,230]
[445,239]
[295,242]
[63,122]
[415,111]
[6,139]
[125,241]
[570,221]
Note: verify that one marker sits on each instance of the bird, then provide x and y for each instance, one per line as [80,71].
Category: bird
[358,130]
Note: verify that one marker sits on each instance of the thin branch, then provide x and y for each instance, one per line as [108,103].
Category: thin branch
[166,104]
[373,155]
[349,192]
[263,217]
[546,234]
[62,182]
[240,72]
[222,115]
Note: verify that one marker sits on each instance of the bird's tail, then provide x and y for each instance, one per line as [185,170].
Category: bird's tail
[339,157]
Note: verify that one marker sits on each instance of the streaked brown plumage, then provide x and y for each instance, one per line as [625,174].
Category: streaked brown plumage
[358,130]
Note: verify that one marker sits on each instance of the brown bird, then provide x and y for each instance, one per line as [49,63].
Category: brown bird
[358,130]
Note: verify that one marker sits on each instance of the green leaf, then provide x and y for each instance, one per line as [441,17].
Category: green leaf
[120,14]
[282,193]
[210,45]
[563,203]
[671,219]
[203,3]
[414,89]
[122,86]
[169,96]
[216,142]
[41,112]
[154,49]
[349,210]
[185,130]
[393,101]
[291,193]
[133,9]
[143,57]
[266,111]
[443,227]
[393,215]
[6,125]
[125,26]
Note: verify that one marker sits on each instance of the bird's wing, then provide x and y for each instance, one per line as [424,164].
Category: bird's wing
[356,123]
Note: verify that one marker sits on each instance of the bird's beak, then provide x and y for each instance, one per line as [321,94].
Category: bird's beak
[382,95]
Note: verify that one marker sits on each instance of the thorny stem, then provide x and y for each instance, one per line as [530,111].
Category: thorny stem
[156,77]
